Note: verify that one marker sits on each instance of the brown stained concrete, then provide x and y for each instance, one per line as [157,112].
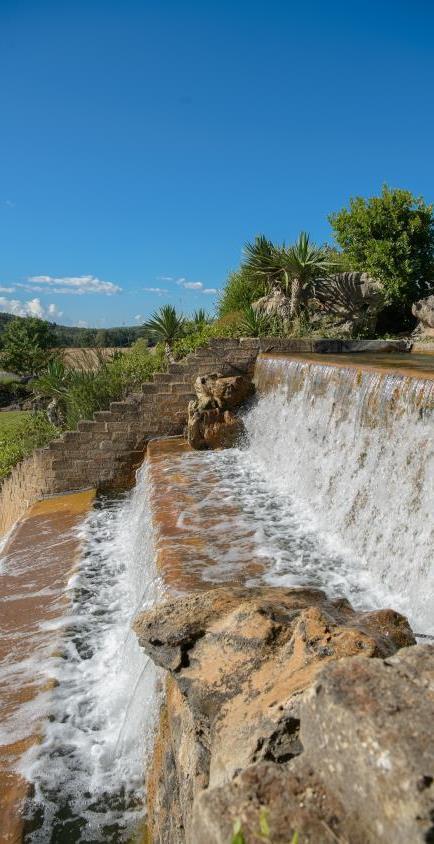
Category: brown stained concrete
[184,554]
[416,365]
[39,558]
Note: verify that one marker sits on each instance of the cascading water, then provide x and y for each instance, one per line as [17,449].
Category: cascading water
[334,488]
[353,452]
[88,771]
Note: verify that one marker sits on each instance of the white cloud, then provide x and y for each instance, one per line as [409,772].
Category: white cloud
[139,318]
[31,308]
[159,290]
[7,289]
[210,290]
[193,285]
[165,278]
[75,284]
[82,323]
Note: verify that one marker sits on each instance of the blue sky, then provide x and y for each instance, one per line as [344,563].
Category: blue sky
[142,143]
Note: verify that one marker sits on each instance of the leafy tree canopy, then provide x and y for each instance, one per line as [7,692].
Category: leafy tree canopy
[27,345]
[392,238]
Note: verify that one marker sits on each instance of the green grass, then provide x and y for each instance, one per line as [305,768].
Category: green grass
[20,434]
[10,420]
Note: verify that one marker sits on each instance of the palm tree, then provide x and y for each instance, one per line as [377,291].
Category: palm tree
[166,325]
[302,264]
[262,260]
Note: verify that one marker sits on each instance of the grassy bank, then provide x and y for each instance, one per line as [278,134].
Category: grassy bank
[20,434]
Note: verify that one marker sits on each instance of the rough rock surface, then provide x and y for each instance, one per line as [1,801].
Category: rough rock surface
[211,421]
[423,310]
[353,300]
[242,660]
[275,304]
[366,773]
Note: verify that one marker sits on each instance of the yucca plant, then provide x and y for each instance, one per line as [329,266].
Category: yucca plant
[253,324]
[302,264]
[200,318]
[262,260]
[166,326]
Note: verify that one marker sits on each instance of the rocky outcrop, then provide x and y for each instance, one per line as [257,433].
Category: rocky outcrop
[366,773]
[241,662]
[352,300]
[211,421]
[423,310]
[275,304]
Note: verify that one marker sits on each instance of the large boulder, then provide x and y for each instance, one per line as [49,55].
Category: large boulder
[242,660]
[351,300]
[226,393]
[366,773]
[423,310]
[211,420]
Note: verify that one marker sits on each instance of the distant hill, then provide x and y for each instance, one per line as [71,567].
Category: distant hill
[72,337]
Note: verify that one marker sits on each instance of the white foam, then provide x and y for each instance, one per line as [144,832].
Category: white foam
[88,772]
[354,456]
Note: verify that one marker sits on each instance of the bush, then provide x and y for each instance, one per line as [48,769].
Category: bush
[241,289]
[30,432]
[392,238]
[26,345]
[80,393]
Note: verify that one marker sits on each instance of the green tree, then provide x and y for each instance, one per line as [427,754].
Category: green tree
[392,238]
[263,260]
[302,264]
[27,344]
[166,326]
[292,268]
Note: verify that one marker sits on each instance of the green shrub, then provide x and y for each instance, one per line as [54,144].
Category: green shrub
[80,393]
[30,432]
[26,345]
[241,289]
[391,237]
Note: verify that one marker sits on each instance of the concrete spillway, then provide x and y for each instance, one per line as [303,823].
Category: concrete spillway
[37,561]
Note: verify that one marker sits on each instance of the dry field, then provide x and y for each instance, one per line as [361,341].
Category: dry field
[87,359]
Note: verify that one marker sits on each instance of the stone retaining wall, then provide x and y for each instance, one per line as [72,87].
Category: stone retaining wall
[106,450]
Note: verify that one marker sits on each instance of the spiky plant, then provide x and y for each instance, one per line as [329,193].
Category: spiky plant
[166,326]
[302,264]
[200,318]
[253,323]
[262,260]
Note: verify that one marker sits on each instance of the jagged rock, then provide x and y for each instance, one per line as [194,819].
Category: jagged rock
[352,300]
[423,310]
[275,304]
[366,773]
[211,422]
[226,393]
[242,660]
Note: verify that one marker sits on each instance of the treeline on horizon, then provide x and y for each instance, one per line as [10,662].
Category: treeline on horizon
[66,336]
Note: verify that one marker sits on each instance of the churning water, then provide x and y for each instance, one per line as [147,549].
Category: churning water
[353,455]
[334,488]
[88,771]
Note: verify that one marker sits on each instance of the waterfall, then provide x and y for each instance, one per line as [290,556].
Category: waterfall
[354,452]
[88,771]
